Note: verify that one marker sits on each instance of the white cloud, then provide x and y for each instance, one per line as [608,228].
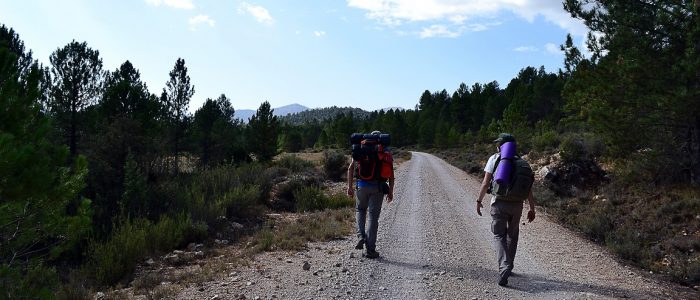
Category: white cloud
[261,14]
[525,49]
[440,31]
[393,13]
[201,19]
[482,26]
[181,4]
[319,33]
[552,48]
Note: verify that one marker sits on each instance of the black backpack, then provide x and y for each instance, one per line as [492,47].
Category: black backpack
[518,187]
[365,151]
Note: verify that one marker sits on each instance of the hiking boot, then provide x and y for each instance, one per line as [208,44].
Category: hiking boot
[371,254]
[503,278]
[360,244]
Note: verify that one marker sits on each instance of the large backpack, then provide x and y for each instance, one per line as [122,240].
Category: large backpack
[374,162]
[518,187]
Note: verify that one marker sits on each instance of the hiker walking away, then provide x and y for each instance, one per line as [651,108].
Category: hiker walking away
[508,192]
[373,167]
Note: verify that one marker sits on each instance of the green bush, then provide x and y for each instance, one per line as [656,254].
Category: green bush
[113,259]
[284,199]
[545,141]
[310,198]
[231,191]
[334,164]
[572,148]
[240,203]
[645,169]
[33,281]
[629,243]
[294,163]
[593,145]
[131,242]
[596,222]
[336,201]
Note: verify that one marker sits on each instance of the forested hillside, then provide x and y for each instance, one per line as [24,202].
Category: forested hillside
[318,115]
[97,171]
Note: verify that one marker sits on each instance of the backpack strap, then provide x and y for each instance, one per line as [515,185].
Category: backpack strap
[493,175]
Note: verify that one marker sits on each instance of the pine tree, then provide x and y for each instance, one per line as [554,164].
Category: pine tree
[77,84]
[262,132]
[37,184]
[178,93]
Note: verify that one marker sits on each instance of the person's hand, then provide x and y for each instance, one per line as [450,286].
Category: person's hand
[530,215]
[351,192]
[390,197]
[478,207]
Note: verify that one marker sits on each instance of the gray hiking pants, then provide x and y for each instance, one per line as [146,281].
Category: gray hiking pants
[368,197]
[505,227]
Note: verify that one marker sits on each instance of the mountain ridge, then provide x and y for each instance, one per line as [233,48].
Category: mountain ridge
[296,113]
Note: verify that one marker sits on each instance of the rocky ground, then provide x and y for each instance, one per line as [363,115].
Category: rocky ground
[434,246]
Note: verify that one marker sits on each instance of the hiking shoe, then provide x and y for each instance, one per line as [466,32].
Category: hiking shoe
[360,244]
[371,254]
[503,278]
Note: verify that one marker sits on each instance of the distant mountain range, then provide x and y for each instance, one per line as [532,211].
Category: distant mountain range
[297,114]
[245,114]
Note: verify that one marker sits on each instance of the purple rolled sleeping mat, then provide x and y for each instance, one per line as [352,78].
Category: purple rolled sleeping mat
[505,167]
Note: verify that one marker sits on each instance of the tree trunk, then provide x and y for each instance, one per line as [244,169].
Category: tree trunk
[72,135]
[695,152]
[695,86]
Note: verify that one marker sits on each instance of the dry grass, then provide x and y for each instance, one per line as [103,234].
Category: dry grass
[314,157]
[295,233]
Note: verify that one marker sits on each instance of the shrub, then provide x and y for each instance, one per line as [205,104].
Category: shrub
[596,222]
[646,169]
[336,201]
[310,198]
[293,234]
[241,202]
[34,281]
[334,164]
[572,148]
[110,261]
[593,145]
[230,191]
[547,140]
[284,198]
[295,164]
[629,243]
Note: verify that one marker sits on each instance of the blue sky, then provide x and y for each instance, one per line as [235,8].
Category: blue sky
[362,53]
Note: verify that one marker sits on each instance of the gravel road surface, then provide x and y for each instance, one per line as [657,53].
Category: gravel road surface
[433,245]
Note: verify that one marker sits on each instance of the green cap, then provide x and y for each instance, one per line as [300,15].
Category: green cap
[504,138]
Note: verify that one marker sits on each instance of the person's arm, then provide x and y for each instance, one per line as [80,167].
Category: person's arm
[531,203]
[351,178]
[484,186]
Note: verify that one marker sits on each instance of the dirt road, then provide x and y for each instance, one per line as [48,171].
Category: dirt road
[433,245]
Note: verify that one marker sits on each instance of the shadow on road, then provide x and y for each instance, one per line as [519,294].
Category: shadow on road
[533,284]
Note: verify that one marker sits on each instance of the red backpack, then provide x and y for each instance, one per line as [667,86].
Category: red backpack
[374,162]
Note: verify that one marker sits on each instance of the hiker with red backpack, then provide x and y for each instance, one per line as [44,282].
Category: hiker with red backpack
[372,165]
[509,179]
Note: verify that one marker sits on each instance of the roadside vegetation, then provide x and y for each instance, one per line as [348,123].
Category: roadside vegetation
[655,227]
[82,202]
